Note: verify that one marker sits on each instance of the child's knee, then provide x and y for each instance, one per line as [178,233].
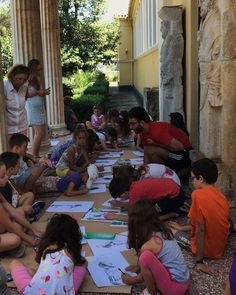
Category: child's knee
[15,263]
[145,257]
[13,241]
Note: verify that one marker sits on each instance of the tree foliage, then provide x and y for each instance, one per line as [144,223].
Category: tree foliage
[85,40]
[6,38]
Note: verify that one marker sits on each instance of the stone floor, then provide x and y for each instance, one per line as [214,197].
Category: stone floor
[124,99]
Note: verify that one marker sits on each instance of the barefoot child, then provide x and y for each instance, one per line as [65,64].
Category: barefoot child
[208,214]
[73,163]
[161,264]
[61,267]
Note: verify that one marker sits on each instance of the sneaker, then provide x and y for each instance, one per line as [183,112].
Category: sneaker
[38,206]
[3,284]
[18,252]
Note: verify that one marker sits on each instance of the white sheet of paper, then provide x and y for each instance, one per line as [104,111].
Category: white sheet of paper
[107,169]
[105,162]
[104,270]
[70,206]
[138,153]
[104,179]
[96,216]
[136,161]
[102,247]
[108,204]
[54,142]
[97,188]
[109,155]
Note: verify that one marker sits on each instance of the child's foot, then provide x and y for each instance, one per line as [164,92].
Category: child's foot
[146,292]
[38,206]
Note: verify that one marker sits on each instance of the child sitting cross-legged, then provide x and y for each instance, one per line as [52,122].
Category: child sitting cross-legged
[209,214]
[27,176]
[164,192]
[12,221]
[14,195]
[72,164]
[61,266]
[161,264]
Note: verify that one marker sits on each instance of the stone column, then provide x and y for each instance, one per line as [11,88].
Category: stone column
[27,40]
[52,62]
[3,132]
[171,55]
[217,58]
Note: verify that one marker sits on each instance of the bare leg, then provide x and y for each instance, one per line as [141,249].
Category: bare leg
[9,241]
[27,199]
[155,154]
[35,173]
[149,280]
[72,192]
[39,133]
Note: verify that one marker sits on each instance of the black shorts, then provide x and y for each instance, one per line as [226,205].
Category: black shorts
[168,205]
[178,160]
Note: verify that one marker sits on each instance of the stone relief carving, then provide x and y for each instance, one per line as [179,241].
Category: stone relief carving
[211,103]
[171,56]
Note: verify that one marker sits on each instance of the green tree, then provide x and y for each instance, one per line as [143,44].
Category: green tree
[6,37]
[85,41]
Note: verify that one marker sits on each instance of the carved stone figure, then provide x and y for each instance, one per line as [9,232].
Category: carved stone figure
[171,56]
[210,78]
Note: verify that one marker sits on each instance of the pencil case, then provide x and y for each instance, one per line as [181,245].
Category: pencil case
[101,236]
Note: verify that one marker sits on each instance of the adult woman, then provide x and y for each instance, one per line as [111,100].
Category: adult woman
[35,106]
[15,91]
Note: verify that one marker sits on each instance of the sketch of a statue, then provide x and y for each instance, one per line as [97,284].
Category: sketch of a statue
[171,55]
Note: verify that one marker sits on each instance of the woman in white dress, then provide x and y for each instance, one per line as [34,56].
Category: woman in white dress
[15,92]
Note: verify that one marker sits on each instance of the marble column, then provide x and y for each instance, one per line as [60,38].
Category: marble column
[3,132]
[217,59]
[52,62]
[27,41]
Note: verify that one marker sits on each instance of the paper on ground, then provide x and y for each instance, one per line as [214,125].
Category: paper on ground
[102,247]
[54,142]
[82,229]
[105,162]
[104,270]
[96,216]
[70,206]
[104,179]
[108,204]
[97,188]
[107,169]
[138,153]
[110,155]
[136,161]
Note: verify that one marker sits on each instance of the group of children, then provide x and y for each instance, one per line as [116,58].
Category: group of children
[151,194]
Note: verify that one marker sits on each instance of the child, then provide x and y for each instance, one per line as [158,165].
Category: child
[73,164]
[177,120]
[70,117]
[97,119]
[11,192]
[208,214]
[161,263]
[164,191]
[27,176]
[10,232]
[61,267]
[108,140]
[152,170]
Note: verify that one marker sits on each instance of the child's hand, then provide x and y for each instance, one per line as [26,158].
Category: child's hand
[175,225]
[83,191]
[110,216]
[133,268]
[100,168]
[85,264]
[128,280]
[115,203]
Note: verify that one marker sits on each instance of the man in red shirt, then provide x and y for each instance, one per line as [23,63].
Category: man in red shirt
[163,143]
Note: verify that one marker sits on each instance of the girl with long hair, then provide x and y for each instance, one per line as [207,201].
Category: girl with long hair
[161,264]
[61,266]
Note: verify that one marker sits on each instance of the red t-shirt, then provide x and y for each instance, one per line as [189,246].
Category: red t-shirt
[153,189]
[210,207]
[163,133]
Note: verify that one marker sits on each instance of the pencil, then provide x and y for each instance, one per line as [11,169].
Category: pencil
[121,271]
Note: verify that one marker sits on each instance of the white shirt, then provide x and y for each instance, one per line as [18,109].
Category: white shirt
[15,107]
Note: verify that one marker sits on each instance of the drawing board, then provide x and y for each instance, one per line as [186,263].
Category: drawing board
[70,206]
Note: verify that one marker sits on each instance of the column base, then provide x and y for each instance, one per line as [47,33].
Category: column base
[59,130]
